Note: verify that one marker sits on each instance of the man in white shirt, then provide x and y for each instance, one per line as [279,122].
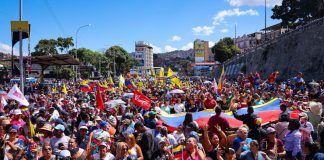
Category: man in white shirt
[103,153]
[59,141]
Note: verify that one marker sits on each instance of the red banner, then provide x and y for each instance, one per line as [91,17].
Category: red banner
[141,100]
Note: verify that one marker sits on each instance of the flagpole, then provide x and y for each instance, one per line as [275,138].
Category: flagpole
[21,58]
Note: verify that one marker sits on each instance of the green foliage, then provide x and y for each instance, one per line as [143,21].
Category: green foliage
[225,49]
[123,61]
[51,46]
[64,73]
[292,11]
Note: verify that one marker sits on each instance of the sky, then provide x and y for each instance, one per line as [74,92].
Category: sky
[166,24]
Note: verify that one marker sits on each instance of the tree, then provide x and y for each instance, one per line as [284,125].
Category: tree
[89,57]
[45,47]
[122,59]
[225,49]
[64,43]
[291,12]
[51,46]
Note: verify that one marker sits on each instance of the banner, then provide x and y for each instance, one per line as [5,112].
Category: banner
[141,100]
[268,112]
[16,94]
[16,26]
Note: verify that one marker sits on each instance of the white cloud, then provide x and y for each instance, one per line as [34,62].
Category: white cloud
[220,16]
[203,30]
[176,38]
[156,49]
[224,30]
[169,48]
[5,48]
[210,44]
[253,3]
[187,46]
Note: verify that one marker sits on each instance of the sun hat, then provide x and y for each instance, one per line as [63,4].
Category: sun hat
[46,127]
[17,112]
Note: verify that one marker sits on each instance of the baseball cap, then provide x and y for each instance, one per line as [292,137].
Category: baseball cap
[270,130]
[14,128]
[194,135]
[104,144]
[103,124]
[83,127]
[303,114]
[65,153]
[159,124]
[192,125]
[17,112]
[59,127]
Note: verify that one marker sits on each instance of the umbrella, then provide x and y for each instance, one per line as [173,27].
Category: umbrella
[128,95]
[116,102]
[177,91]
[208,82]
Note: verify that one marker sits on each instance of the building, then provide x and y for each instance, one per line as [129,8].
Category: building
[201,51]
[144,54]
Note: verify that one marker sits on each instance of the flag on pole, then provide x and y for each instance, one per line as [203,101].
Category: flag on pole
[215,85]
[174,79]
[84,87]
[3,103]
[161,76]
[111,83]
[16,94]
[99,101]
[220,81]
[32,128]
[141,100]
[64,90]
[121,81]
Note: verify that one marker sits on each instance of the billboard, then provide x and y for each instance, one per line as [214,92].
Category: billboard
[199,49]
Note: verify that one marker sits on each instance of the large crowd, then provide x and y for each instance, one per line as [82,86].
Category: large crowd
[69,125]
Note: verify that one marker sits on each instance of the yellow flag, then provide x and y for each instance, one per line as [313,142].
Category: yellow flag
[161,76]
[174,79]
[111,82]
[54,89]
[64,90]
[121,81]
[153,72]
[32,129]
[220,79]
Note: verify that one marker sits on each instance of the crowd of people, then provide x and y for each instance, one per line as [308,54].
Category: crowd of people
[69,125]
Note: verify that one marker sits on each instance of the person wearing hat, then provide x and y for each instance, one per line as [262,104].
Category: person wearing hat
[306,128]
[14,144]
[46,130]
[59,141]
[16,119]
[314,113]
[81,137]
[273,146]
[126,128]
[103,153]
[163,151]
[151,122]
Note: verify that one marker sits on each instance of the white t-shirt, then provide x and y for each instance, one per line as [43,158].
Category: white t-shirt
[109,156]
[56,141]
[179,107]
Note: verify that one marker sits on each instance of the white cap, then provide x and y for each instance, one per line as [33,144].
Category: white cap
[17,112]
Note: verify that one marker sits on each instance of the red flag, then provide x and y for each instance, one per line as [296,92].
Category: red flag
[141,100]
[99,101]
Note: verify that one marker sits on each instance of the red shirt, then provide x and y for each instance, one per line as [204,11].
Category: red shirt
[217,120]
[210,104]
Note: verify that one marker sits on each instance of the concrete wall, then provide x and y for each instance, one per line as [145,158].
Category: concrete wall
[301,49]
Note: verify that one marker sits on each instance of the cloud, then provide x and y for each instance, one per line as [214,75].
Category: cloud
[187,46]
[211,44]
[5,48]
[203,30]
[220,16]
[237,3]
[156,49]
[169,48]
[175,38]
[224,30]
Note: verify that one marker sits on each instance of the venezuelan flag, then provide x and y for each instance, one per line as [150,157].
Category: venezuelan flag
[85,87]
[268,112]
[179,151]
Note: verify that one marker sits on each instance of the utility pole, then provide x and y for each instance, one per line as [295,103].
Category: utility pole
[114,64]
[265,20]
[21,58]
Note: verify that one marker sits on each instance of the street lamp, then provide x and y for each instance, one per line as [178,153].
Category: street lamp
[76,45]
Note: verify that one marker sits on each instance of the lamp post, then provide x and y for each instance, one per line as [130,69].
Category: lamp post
[76,46]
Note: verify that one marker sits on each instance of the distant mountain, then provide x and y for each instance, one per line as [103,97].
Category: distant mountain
[177,54]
